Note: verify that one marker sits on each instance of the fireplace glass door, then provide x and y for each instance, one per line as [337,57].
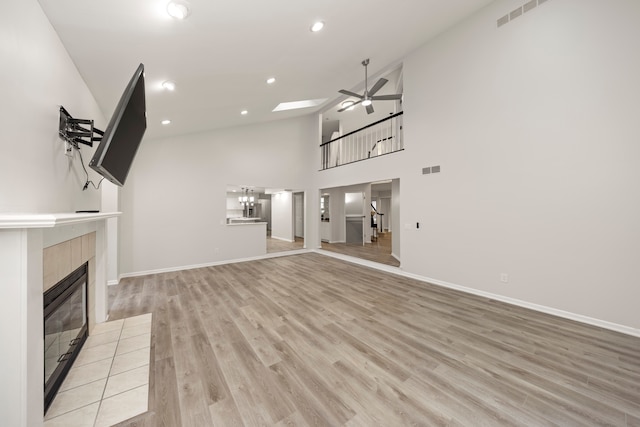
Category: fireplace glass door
[65,328]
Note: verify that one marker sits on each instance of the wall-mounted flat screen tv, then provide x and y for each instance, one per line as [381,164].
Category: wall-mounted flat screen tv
[122,137]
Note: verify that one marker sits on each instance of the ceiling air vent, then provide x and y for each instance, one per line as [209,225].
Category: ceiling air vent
[519,11]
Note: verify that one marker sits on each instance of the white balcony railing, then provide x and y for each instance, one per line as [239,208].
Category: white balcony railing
[376,139]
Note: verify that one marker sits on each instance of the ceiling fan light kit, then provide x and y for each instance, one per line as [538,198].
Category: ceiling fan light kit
[348,105]
[369,96]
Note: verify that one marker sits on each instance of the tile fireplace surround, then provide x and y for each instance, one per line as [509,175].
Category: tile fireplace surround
[36,250]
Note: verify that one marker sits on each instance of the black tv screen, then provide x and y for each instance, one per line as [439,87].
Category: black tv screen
[123,134]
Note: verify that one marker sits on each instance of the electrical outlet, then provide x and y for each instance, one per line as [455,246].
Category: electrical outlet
[504,278]
[68,149]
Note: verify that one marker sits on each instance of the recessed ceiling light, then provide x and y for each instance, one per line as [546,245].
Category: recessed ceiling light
[178,9]
[244,112]
[166,122]
[169,85]
[271,80]
[317,26]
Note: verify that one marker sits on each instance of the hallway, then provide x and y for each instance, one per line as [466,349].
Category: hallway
[378,251]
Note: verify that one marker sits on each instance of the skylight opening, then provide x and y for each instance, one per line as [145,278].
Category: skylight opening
[295,105]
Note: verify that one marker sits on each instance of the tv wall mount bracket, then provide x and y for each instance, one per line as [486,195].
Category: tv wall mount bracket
[77,131]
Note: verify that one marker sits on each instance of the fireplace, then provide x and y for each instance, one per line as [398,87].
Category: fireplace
[65,328]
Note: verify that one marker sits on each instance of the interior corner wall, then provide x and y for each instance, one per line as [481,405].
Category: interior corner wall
[535,127]
[174,202]
[36,77]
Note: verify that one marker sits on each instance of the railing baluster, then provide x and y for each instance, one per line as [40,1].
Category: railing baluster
[379,138]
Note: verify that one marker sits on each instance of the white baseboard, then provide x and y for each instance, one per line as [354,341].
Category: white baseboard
[283,239]
[536,307]
[215,263]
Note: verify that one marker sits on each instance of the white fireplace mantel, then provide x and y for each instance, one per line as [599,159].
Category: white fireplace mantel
[22,240]
[48,220]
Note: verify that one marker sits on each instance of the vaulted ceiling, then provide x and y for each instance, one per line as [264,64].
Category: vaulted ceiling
[222,54]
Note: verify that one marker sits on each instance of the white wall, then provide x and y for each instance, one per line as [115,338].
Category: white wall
[174,203]
[110,204]
[36,77]
[537,145]
[395,219]
[282,221]
[535,125]
[298,210]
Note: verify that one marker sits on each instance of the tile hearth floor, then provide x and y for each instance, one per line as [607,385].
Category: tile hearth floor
[109,381]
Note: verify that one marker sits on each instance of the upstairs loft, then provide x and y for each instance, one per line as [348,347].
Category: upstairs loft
[355,130]
[376,139]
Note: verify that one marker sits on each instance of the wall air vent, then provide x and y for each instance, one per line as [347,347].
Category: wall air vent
[430,169]
[519,11]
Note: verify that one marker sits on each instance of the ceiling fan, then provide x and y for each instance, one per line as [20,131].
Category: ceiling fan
[369,95]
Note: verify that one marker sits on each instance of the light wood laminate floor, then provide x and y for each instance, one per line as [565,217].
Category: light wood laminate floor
[277,245]
[376,251]
[312,340]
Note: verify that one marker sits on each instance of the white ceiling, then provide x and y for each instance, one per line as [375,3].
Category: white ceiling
[221,55]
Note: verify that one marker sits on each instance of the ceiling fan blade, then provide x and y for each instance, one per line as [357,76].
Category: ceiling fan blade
[369,108]
[395,97]
[349,93]
[376,87]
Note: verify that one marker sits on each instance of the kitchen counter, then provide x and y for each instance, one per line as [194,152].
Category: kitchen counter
[243,220]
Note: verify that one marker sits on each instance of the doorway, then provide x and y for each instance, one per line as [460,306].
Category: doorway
[378,215]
